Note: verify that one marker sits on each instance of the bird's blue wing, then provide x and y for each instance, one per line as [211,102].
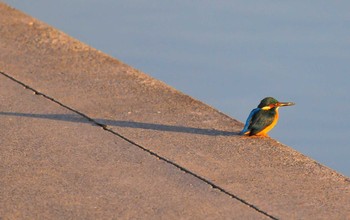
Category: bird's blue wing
[249,120]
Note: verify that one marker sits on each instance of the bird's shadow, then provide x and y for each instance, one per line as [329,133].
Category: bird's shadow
[126,124]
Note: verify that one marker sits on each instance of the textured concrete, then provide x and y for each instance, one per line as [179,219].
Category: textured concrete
[72,169]
[270,178]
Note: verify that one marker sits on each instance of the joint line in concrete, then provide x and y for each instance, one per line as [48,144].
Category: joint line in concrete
[213,185]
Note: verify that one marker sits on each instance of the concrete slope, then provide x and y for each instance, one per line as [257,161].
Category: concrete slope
[72,169]
[269,177]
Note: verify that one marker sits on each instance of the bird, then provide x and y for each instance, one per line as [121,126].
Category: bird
[263,118]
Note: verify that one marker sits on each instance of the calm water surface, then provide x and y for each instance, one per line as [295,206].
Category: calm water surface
[231,54]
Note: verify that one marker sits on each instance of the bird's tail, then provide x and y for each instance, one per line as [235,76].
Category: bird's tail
[248,121]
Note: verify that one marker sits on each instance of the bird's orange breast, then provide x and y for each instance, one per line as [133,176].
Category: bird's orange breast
[270,126]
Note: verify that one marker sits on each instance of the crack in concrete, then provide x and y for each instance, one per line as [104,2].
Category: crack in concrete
[213,185]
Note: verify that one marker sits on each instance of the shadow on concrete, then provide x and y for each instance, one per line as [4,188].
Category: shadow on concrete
[127,124]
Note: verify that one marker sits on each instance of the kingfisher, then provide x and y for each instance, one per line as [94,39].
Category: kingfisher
[263,118]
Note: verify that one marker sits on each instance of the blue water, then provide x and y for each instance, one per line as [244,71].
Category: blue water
[231,54]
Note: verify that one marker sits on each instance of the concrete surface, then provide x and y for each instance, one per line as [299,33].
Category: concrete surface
[72,169]
[193,152]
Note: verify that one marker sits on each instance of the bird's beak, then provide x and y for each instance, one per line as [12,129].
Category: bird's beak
[280,104]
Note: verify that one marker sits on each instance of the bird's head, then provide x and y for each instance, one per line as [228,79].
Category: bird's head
[269,103]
